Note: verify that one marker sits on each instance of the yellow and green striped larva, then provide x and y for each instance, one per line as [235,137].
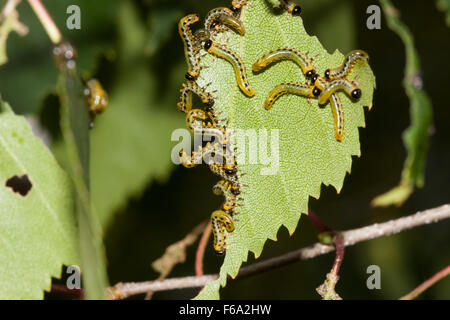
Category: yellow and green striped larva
[301,59]
[230,193]
[97,99]
[190,46]
[351,88]
[338,114]
[188,89]
[347,66]
[291,7]
[219,17]
[303,90]
[236,61]
[222,224]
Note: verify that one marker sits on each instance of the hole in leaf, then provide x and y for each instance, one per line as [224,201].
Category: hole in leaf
[19,185]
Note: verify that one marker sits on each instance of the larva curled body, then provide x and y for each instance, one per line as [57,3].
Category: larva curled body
[222,223]
[347,66]
[291,7]
[301,59]
[195,120]
[219,17]
[230,193]
[197,156]
[351,88]
[190,46]
[303,90]
[185,104]
[338,113]
[236,62]
[219,158]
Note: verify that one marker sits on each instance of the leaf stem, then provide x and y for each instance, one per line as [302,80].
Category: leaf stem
[64,290]
[327,288]
[428,283]
[46,21]
[317,222]
[201,250]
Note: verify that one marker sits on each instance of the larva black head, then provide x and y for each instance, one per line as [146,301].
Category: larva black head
[231,171]
[209,104]
[208,44]
[356,94]
[296,11]
[220,252]
[309,74]
[235,191]
[327,74]
[228,211]
[189,76]
[316,92]
[312,74]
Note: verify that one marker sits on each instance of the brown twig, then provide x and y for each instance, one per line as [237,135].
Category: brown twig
[428,283]
[350,237]
[201,250]
[327,289]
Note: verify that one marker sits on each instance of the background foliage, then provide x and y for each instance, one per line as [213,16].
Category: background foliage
[145,203]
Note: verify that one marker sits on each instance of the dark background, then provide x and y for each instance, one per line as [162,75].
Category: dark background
[168,210]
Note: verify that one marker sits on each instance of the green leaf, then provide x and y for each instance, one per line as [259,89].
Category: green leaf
[37,229]
[309,154]
[131,140]
[417,135]
[75,130]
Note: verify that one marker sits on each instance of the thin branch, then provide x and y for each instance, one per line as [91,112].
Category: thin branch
[424,286]
[350,237]
[46,21]
[201,250]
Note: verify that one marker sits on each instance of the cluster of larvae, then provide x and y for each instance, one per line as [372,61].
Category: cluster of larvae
[218,154]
